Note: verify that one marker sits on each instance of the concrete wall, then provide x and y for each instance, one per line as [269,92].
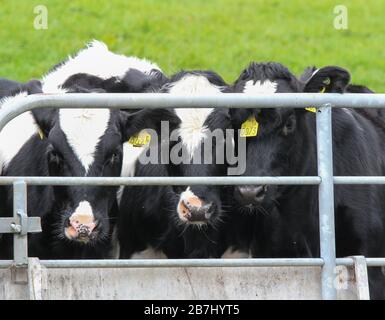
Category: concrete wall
[176,283]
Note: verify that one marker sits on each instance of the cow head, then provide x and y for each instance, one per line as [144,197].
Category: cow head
[285,142]
[87,143]
[193,144]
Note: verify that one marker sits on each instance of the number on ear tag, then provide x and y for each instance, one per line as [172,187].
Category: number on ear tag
[249,128]
[140,139]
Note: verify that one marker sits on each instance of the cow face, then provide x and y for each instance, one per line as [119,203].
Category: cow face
[86,143]
[285,142]
[192,139]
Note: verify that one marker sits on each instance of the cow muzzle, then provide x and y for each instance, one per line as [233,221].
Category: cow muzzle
[250,195]
[80,227]
[192,209]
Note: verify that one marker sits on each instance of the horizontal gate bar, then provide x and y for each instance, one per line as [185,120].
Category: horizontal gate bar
[161,100]
[165,263]
[229,180]
[359,180]
[371,262]
[9,225]
[168,263]
[117,181]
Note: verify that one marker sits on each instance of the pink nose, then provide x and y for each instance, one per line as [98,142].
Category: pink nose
[82,224]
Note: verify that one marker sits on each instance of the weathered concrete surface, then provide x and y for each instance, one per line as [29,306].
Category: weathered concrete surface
[9,290]
[176,283]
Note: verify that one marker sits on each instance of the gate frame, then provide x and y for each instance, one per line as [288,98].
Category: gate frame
[20,225]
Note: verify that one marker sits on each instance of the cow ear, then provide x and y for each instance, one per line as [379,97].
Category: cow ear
[357,88]
[137,81]
[33,87]
[239,115]
[132,122]
[307,74]
[79,89]
[328,79]
[44,119]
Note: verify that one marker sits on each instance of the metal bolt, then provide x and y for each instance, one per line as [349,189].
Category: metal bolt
[16,227]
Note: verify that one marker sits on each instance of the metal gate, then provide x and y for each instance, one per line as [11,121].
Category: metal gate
[20,224]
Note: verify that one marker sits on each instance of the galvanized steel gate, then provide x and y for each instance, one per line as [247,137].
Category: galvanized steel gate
[20,224]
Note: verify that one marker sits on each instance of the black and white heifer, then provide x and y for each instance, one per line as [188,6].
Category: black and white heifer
[180,221]
[286,146]
[73,142]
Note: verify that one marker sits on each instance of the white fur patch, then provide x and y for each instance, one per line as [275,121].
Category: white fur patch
[130,156]
[96,60]
[149,253]
[83,209]
[83,129]
[192,129]
[16,132]
[230,253]
[266,87]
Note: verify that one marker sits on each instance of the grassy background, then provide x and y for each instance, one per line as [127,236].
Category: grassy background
[223,35]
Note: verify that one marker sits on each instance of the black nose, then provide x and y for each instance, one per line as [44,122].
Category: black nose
[202,213]
[250,194]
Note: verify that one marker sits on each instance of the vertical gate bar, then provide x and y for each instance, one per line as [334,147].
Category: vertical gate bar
[20,240]
[326,200]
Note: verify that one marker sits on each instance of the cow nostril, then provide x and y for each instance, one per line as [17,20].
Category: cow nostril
[208,210]
[260,191]
[250,194]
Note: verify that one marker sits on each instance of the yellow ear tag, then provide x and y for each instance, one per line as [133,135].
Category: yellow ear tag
[249,128]
[140,139]
[312,109]
[41,134]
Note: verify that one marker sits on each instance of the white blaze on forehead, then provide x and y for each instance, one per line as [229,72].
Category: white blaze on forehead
[83,129]
[83,209]
[16,132]
[96,60]
[260,88]
[192,129]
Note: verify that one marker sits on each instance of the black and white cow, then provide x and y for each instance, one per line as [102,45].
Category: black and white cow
[179,221]
[286,146]
[74,142]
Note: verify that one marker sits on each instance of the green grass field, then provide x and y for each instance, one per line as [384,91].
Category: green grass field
[223,35]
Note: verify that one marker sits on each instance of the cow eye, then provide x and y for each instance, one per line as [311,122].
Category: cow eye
[289,126]
[54,158]
[111,160]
